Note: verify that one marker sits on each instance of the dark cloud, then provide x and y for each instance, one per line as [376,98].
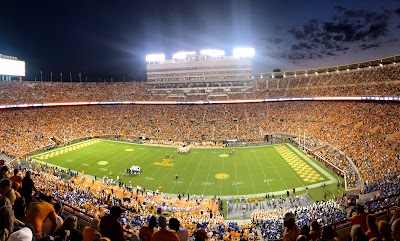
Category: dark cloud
[307,31]
[348,28]
[357,25]
[369,46]
[300,46]
[338,37]
[397,11]
[330,54]
[295,56]
[341,31]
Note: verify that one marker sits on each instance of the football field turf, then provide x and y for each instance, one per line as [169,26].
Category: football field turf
[212,171]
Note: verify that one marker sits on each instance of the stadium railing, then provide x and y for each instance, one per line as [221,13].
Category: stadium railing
[84,219]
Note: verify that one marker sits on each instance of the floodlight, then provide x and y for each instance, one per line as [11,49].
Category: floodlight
[155,57]
[212,52]
[243,52]
[182,55]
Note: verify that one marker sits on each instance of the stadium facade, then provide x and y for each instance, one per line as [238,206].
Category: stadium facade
[200,73]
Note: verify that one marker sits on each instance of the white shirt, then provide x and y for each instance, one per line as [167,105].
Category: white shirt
[183,234]
[47,224]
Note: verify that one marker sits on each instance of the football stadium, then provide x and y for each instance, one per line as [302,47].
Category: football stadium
[205,143]
[214,156]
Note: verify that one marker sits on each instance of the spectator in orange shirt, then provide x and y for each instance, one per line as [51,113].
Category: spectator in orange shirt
[291,229]
[360,218]
[38,212]
[384,230]
[47,223]
[92,231]
[16,180]
[146,232]
[164,234]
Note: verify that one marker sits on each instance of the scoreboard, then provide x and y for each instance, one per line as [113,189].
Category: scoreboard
[11,67]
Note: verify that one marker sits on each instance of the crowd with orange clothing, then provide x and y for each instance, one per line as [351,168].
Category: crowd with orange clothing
[97,203]
[363,82]
[365,132]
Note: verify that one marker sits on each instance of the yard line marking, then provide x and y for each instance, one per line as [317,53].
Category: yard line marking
[187,164]
[237,186]
[165,176]
[248,169]
[194,175]
[220,182]
[209,171]
[265,177]
[280,177]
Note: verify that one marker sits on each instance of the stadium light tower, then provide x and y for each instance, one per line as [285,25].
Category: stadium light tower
[155,57]
[213,52]
[182,55]
[243,52]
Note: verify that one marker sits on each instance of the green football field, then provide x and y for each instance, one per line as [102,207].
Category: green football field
[214,171]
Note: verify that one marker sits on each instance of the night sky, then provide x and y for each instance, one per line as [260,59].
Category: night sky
[114,37]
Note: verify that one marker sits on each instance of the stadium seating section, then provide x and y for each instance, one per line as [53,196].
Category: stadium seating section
[368,133]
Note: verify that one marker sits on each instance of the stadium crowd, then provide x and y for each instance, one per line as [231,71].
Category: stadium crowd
[367,133]
[138,213]
[364,82]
